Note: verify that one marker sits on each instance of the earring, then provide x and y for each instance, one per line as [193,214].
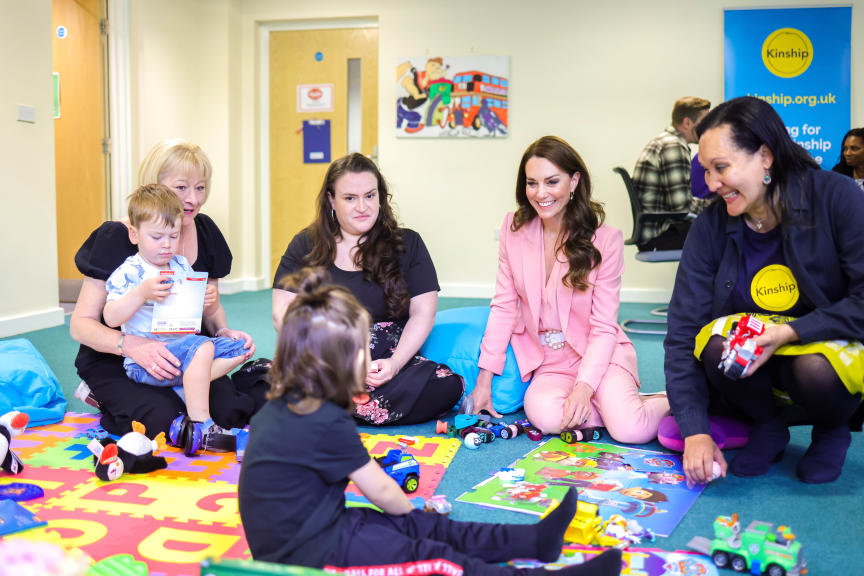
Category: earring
[333,214]
[767,179]
[571,195]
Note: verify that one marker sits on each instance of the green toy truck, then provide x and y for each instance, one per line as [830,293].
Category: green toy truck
[760,549]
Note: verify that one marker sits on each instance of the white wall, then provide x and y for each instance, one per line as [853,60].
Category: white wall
[601,75]
[28,233]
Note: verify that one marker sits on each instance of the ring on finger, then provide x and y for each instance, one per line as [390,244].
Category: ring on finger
[584,420]
[154,367]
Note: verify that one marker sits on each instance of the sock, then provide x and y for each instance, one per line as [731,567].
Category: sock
[823,461]
[606,564]
[550,530]
[767,442]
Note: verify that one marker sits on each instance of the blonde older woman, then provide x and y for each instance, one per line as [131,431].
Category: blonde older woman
[184,168]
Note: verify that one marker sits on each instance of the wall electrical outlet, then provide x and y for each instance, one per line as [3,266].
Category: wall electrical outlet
[26,114]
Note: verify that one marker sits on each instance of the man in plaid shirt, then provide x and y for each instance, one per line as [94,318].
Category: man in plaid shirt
[662,176]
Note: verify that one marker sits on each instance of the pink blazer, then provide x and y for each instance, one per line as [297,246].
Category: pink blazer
[589,319]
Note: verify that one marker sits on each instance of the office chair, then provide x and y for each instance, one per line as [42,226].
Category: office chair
[640,216]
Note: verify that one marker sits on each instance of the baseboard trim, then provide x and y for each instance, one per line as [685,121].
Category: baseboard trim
[467,291]
[13,325]
[648,295]
[248,284]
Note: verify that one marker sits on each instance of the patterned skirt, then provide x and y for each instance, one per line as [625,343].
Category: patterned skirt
[397,401]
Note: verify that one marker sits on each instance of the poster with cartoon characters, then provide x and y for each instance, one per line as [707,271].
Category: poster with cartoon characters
[462,97]
[641,485]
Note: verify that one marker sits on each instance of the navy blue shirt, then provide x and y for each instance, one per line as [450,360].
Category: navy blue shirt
[765,283]
[292,482]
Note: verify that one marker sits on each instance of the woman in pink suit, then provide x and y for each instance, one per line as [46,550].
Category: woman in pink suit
[556,301]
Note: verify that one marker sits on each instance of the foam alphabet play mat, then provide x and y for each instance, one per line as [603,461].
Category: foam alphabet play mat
[170,519]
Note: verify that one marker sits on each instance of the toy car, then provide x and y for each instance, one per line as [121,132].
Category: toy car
[402,466]
[525,427]
[469,428]
[740,349]
[438,504]
[573,435]
[760,548]
[588,528]
[473,436]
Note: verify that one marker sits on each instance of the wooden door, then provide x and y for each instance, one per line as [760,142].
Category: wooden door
[313,57]
[78,159]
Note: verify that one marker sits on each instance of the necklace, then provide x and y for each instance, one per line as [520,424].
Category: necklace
[757,221]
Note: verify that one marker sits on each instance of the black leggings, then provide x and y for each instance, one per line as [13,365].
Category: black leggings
[810,381]
[436,399]
[434,542]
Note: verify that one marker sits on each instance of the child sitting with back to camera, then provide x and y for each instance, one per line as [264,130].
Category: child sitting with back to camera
[155,215]
[304,448]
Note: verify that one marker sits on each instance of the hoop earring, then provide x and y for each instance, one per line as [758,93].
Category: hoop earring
[333,214]
[572,192]
[767,179]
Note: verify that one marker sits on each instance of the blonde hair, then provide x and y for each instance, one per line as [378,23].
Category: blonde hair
[154,202]
[170,155]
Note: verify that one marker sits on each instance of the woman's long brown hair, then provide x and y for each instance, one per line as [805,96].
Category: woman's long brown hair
[378,250]
[582,215]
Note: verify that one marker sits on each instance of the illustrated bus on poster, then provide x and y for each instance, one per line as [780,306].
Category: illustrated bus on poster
[434,102]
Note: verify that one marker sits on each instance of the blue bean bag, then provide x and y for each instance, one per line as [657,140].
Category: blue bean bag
[27,384]
[455,341]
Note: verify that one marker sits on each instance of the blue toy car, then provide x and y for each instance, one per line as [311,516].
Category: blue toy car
[402,467]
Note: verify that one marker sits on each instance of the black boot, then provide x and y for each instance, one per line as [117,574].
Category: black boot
[824,459]
[767,442]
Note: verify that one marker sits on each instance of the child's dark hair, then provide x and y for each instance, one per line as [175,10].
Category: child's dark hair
[323,331]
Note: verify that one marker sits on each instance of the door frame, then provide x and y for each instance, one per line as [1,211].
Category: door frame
[119,120]
[116,108]
[264,31]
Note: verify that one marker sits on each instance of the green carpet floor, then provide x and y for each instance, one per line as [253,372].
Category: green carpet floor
[825,519]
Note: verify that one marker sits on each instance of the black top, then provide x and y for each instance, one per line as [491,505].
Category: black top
[108,246]
[293,479]
[765,284]
[416,266]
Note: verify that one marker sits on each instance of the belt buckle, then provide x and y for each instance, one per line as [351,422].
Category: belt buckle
[554,339]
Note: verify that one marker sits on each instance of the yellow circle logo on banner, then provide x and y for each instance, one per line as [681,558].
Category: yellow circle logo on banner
[787,52]
[774,288]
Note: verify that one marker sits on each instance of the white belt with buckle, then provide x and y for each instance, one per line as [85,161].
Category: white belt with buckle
[553,339]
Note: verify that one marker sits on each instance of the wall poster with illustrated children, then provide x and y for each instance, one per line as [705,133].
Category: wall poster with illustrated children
[463,97]
[642,485]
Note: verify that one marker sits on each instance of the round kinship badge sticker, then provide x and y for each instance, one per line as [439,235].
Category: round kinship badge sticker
[774,288]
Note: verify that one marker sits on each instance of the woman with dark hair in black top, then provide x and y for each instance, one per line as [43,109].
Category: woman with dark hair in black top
[852,156]
[184,168]
[388,269]
[783,242]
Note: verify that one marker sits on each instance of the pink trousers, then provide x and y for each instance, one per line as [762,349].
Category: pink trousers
[617,405]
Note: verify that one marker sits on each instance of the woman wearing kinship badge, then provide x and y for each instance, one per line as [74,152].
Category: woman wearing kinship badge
[779,263]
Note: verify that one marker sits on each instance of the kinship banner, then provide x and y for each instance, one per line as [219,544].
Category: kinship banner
[798,60]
